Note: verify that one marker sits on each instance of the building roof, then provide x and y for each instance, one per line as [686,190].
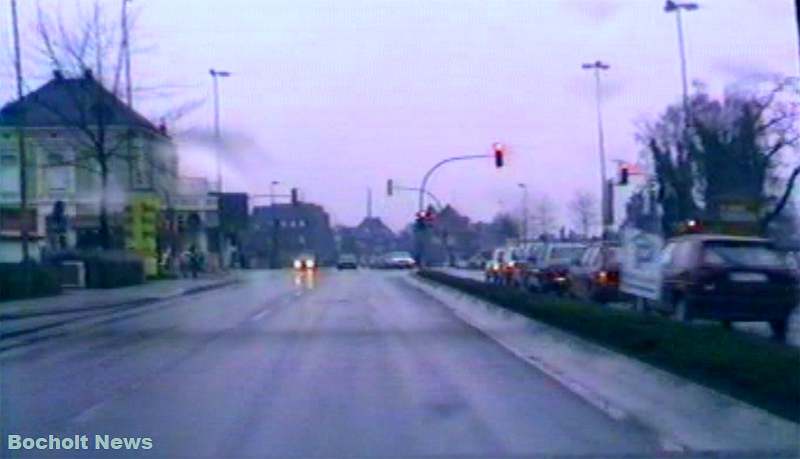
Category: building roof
[281,211]
[374,225]
[65,102]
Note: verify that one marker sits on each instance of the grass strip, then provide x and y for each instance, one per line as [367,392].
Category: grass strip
[763,373]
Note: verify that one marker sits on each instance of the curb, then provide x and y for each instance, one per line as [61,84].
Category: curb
[105,310]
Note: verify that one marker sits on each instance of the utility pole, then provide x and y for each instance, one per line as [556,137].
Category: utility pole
[126,46]
[596,67]
[23,157]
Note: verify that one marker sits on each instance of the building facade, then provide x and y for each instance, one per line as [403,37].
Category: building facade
[78,136]
[280,232]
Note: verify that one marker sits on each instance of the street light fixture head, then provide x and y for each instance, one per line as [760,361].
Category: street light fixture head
[671,6]
[219,73]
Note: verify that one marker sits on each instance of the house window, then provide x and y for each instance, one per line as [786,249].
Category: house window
[301,223]
[9,174]
[58,173]
[139,170]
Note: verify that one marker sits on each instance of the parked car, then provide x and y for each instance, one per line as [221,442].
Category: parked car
[595,276]
[478,261]
[550,266]
[347,261]
[305,262]
[728,278]
[399,260]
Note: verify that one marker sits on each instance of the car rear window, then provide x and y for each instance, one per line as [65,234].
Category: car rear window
[738,254]
[611,255]
[567,253]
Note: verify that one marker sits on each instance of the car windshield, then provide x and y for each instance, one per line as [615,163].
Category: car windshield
[748,255]
[399,255]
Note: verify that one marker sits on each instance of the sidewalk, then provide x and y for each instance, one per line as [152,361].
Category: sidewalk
[77,300]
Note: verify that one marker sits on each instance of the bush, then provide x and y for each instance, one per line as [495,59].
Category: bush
[765,374]
[30,280]
[113,269]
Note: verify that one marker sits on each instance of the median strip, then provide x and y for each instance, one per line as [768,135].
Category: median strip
[764,374]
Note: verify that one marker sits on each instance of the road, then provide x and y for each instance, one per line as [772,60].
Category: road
[355,364]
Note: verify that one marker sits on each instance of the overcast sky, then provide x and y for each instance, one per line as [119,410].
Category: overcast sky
[337,96]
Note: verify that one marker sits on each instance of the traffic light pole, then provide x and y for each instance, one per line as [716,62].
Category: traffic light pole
[430,195]
[422,188]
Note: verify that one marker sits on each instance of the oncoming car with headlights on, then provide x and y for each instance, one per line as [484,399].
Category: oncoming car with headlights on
[305,262]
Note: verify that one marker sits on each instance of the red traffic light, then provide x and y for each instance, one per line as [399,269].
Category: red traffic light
[498,154]
[624,173]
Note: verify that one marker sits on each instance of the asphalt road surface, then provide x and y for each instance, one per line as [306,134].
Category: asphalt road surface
[344,364]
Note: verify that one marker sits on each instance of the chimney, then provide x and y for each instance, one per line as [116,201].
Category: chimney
[162,128]
[58,75]
[87,74]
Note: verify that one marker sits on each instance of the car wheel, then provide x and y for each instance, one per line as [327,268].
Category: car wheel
[727,324]
[779,328]
[681,312]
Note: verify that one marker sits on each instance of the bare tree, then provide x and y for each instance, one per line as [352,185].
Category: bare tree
[584,211]
[543,216]
[88,60]
[737,148]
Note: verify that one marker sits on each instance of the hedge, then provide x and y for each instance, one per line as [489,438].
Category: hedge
[113,269]
[763,373]
[27,280]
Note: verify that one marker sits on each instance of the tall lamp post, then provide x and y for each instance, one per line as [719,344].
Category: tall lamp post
[524,211]
[215,75]
[272,185]
[676,7]
[597,67]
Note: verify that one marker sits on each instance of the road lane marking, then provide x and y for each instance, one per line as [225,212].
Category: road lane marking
[260,315]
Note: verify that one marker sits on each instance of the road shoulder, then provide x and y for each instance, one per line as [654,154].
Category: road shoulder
[687,416]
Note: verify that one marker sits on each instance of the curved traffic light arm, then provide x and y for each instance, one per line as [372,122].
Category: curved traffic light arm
[430,195]
[422,190]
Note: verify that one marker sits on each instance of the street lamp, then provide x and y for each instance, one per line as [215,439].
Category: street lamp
[596,67]
[676,7]
[215,74]
[272,192]
[524,211]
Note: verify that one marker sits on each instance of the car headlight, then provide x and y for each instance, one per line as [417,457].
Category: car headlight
[310,264]
[298,264]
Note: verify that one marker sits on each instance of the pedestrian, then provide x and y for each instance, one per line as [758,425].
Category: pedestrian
[194,261]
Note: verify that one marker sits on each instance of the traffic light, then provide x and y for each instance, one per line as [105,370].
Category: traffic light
[498,155]
[389,187]
[624,172]
[295,199]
